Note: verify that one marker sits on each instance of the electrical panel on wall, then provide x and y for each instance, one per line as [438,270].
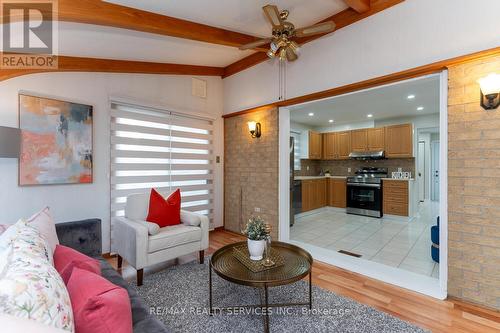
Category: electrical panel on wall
[199,88]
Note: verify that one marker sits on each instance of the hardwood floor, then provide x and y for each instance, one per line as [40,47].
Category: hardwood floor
[439,316]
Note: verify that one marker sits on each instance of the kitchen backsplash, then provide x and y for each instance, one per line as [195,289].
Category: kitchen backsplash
[340,168]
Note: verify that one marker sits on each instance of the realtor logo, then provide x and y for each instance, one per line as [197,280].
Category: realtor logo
[29,39]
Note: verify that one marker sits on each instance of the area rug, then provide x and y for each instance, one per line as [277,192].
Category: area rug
[178,296]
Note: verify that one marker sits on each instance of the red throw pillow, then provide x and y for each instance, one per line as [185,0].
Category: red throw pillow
[98,305]
[66,259]
[164,212]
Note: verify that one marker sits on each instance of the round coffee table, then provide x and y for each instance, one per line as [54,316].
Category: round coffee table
[297,265]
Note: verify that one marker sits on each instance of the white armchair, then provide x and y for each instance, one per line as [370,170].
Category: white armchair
[143,243]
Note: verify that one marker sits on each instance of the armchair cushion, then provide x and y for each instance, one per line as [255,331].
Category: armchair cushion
[153,228]
[173,236]
[190,218]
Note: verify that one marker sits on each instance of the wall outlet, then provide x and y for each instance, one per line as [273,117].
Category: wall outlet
[307,168]
[257,209]
[349,170]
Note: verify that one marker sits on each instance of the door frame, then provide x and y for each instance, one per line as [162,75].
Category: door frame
[433,185]
[421,182]
[395,276]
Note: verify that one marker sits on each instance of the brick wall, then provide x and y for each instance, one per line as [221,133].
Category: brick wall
[474,187]
[251,170]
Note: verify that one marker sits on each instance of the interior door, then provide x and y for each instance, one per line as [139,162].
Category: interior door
[435,170]
[421,170]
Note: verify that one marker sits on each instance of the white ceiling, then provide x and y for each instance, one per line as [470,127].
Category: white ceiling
[383,103]
[112,43]
[245,16]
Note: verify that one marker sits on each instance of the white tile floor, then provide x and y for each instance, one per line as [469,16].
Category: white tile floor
[393,242]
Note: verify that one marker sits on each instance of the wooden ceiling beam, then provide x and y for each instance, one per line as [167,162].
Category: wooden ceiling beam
[112,15]
[360,6]
[81,64]
[341,19]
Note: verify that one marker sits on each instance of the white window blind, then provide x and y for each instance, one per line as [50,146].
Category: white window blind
[163,150]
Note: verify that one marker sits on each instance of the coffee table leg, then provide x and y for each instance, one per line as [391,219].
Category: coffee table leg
[266,316]
[210,288]
[310,291]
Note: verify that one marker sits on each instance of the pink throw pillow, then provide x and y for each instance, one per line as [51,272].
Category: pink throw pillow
[66,260]
[98,305]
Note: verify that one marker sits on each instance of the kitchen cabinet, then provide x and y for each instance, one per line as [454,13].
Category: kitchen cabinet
[315,145]
[395,197]
[399,141]
[329,151]
[343,145]
[313,194]
[337,191]
[336,145]
[359,140]
[375,139]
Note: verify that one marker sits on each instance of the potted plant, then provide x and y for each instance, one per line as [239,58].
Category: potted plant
[257,235]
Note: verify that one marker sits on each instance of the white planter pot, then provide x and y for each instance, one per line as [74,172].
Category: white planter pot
[256,248]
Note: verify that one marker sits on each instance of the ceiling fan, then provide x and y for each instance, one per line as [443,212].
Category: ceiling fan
[282,45]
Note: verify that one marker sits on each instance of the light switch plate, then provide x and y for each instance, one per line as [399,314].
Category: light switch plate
[199,88]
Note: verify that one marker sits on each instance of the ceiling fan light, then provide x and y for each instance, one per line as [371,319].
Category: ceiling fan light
[271,54]
[283,54]
[274,47]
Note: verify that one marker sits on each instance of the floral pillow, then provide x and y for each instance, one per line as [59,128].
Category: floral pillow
[30,286]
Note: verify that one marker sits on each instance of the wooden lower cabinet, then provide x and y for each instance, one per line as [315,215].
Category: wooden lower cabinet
[395,197]
[337,189]
[313,194]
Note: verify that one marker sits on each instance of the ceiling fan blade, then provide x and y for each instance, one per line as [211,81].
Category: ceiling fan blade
[290,54]
[273,15]
[255,44]
[319,28]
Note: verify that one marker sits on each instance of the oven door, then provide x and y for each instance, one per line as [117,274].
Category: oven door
[364,199]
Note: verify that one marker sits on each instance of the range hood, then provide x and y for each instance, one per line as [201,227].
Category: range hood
[10,140]
[367,155]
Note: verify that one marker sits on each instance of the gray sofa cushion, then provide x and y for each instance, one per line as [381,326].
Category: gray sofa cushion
[85,237]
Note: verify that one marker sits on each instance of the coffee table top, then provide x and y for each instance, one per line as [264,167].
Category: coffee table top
[298,263]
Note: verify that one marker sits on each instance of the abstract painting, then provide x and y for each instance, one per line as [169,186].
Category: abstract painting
[56,141]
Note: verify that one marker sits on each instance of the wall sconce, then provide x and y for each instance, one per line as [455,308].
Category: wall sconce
[254,129]
[490,89]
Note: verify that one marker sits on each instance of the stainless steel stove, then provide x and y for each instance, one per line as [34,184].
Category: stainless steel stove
[364,192]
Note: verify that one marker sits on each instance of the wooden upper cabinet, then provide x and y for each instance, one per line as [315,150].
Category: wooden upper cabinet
[399,141]
[359,140]
[343,144]
[315,145]
[329,146]
[375,139]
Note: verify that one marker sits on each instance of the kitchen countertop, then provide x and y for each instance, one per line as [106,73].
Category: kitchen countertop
[409,179]
[317,177]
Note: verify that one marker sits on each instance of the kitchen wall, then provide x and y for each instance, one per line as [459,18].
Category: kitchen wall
[410,34]
[251,171]
[473,188]
[73,202]
[340,168]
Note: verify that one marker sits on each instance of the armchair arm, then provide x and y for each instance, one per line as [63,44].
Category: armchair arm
[189,218]
[131,241]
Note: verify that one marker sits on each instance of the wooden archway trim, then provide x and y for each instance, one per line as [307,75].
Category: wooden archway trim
[81,64]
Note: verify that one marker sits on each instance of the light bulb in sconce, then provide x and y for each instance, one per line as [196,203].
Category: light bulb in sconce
[255,129]
[490,90]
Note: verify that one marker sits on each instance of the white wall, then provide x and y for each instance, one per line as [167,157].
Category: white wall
[410,34]
[73,202]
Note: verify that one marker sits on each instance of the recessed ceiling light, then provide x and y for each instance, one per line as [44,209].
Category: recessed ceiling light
[411,96]
[330,121]
[310,114]
[369,115]
[420,108]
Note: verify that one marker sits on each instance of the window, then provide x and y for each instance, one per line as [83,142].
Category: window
[164,150]
[296,154]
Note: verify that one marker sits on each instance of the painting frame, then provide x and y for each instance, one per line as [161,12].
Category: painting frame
[89,176]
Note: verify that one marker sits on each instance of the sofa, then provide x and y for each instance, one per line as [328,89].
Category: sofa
[143,244]
[85,237]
